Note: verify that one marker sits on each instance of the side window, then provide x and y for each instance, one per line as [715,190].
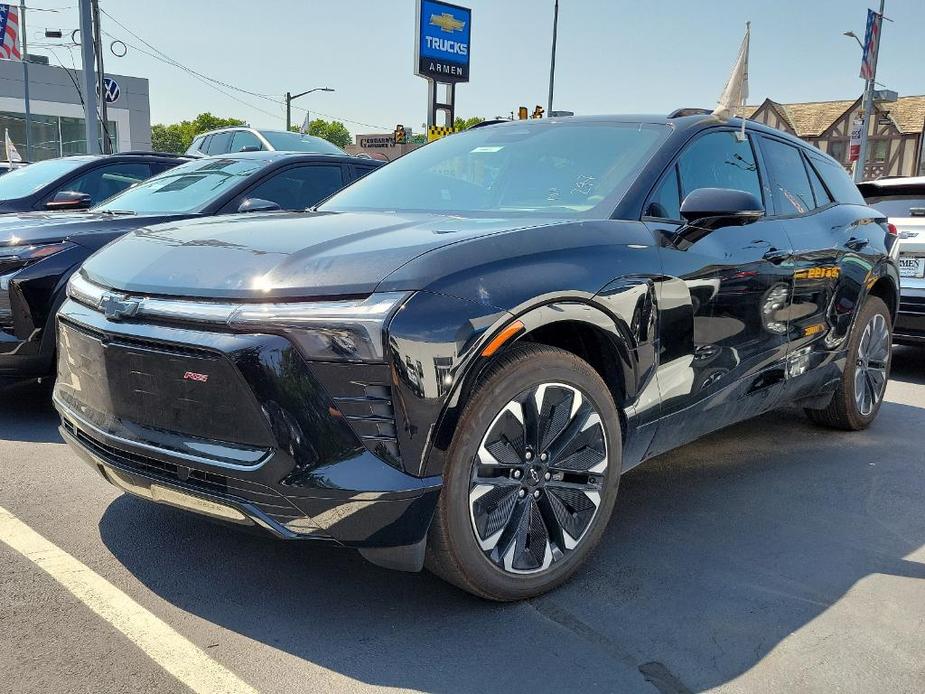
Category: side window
[245,140]
[789,182]
[821,194]
[837,181]
[204,147]
[719,160]
[220,143]
[196,145]
[300,186]
[105,181]
[666,201]
[363,170]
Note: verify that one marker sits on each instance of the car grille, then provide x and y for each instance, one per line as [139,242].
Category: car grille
[190,392]
[265,499]
[913,305]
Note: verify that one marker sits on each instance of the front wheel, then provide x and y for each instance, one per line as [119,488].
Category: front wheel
[531,477]
[860,391]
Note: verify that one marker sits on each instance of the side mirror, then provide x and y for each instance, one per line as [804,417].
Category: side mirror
[69,200]
[257,205]
[710,208]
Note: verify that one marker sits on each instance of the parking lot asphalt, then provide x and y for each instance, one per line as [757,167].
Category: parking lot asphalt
[771,556]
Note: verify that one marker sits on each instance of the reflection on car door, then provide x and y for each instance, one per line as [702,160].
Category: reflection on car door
[723,333]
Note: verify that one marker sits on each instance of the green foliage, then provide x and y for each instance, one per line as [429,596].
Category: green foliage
[466,123]
[333,131]
[177,137]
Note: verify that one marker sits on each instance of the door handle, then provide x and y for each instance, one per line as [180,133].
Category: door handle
[775,256]
[856,244]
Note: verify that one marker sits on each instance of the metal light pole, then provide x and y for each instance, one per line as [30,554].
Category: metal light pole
[552,59]
[868,104]
[100,76]
[25,77]
[89,78]
[290,97]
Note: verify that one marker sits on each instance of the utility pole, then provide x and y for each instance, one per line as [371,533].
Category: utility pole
[101,76]
[89,77]
[869,103]
[25,77]
[552,59]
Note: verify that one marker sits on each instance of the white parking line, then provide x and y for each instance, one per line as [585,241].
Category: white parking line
[173,652]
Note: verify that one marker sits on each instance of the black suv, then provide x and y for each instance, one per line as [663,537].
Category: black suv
[452,362]
[40,251]
[74,183]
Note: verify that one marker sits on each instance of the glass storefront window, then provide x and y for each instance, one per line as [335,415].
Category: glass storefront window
[52,136]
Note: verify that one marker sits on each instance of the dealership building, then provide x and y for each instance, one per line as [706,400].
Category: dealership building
[58,113]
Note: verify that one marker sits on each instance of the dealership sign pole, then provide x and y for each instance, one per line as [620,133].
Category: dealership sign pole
[441,56]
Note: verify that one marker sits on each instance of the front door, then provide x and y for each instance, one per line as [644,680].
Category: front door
[724,301]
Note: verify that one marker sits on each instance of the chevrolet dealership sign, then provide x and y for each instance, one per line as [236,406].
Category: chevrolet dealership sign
[441,47]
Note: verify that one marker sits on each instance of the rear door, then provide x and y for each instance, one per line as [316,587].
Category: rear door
[723,337]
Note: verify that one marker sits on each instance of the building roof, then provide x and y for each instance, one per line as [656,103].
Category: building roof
[812,118]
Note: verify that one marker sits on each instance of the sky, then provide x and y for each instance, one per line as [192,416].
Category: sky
[614,56]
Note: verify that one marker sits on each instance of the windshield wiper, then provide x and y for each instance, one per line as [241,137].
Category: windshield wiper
[115,212]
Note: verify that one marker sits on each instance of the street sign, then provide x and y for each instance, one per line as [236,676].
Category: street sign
[441,45]
[111,90]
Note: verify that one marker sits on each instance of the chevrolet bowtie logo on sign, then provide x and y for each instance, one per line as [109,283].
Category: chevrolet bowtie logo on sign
[447,22]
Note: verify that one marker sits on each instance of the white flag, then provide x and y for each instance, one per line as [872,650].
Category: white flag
[11,153]
[303,129]
[736,92]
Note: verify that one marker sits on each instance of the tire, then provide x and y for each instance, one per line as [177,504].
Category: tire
[500,511]
[866,371]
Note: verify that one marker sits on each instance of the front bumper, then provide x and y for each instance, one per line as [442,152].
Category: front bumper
[269,441]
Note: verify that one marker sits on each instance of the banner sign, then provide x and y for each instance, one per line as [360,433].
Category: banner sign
[854,144]
[441,46]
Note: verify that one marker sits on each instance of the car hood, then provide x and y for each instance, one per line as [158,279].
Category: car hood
[280,254]
[48,227]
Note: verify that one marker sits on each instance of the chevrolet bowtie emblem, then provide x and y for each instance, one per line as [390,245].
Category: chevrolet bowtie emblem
[447,22]
[117,307]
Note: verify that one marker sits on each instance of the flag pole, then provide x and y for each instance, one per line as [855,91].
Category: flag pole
[25,77]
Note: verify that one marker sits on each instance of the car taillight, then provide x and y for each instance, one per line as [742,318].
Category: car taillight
[891,229]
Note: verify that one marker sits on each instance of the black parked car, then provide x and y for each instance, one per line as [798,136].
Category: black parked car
[452,361]
[76,183]
[40,251]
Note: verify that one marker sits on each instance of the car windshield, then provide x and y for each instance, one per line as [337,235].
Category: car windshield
[189,187]
[551,169]
[19,183]
[901,206]
[295,142]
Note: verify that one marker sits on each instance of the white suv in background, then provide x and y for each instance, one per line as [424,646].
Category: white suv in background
[243,139]
[902,200]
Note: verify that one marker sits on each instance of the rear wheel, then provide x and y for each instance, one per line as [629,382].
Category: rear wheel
[531,478]
[860,392]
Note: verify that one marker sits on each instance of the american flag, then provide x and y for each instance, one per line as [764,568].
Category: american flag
[9,32]
[871,39]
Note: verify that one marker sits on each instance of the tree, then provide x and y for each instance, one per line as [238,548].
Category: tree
[177,137]
[466,123]
[333,131]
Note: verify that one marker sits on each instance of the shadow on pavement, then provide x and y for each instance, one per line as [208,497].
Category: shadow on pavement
[26,414]
[908,365]
[716,553]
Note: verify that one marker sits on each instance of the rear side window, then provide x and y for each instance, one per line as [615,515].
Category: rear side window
[837,181]
[220,143]
[196,145]
[821,194]
[719,160]
[790,184]
[300,186]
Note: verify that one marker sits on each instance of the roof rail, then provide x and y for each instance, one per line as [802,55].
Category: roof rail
[681,112]
[142,152]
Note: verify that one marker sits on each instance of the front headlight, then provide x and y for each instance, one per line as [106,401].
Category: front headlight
[15,258]
[340,330]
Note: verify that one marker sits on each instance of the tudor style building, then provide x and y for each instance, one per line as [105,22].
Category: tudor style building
[895,144]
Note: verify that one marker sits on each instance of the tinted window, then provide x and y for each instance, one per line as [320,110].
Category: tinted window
[300,186]
[29,179]
[561,169]
[665,203]
[105,181]
[821,194]
[296,142]
[837,181]
[789,182]
[220,143]
[196,145]
[363,170]
[245,139]
[719,160]
[190,187]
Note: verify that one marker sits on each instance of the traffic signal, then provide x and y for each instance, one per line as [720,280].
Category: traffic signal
[538,111]
[400,134]
[522,113]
